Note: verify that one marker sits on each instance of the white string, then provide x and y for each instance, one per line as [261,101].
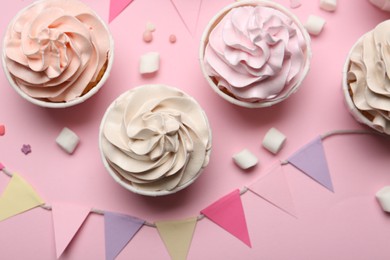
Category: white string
[244,189]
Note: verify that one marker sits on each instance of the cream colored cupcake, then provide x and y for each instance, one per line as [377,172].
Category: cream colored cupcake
[255,53]
[366,81]
[57,53]
[155,140]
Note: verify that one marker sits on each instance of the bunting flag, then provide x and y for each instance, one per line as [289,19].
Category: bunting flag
[116,7]
[177,236]
[311,160]
[67,219]
[18,197]
[274,188]
[119,230]
[228,213]
[188,10]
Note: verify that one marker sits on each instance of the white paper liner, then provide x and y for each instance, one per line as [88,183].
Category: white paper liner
[73,102]
[355,112]
[218,17]
[127,185]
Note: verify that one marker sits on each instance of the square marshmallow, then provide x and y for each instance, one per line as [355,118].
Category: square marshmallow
[274,140]
[245,159]
[314,24]
[149,63]
[67,140]
[328,5]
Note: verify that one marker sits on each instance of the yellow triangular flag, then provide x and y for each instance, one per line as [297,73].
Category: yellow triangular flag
[177,236]
[18,197]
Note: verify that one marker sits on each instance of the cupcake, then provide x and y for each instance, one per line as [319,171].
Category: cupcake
[255,53]
[366,81]
[382,4]
[155,140]
[57,53]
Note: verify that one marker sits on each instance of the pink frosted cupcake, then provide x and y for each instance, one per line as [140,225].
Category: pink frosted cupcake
[366,81]
[255,53]
[57,53]
[155,140]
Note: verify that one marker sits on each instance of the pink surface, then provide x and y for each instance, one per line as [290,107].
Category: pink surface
[347,224]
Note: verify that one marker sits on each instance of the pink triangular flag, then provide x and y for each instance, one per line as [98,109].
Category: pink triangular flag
[188,11]
[67,219]
[228,213]
[311,160]
[116,7]
[119,229]
[274,188]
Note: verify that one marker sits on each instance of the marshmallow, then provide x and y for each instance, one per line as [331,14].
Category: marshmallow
[149,63]
[328,5]
[314,24]
[383,197]
[67,140]
[245,159]
[274,140]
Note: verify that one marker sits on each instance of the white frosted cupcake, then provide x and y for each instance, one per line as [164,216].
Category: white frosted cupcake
[366,81]
[382,4]
[155,140]
[255,53]
[57,53]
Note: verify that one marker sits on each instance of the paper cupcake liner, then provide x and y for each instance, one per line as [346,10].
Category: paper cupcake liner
[217,18]
[126,184]
[381,4]
[78,100]
[354,111]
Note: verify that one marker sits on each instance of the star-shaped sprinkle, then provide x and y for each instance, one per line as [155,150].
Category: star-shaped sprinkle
[26,149]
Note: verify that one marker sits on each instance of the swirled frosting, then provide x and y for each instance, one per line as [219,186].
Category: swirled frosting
[255,53]
[156,138]
[369,76]
[54,49]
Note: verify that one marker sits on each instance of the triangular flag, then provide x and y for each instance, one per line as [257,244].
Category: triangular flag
[177,236]
[228,213]
[188,11]
[311,160]
[116,7]
[274,188]
[67,219]
[18,197]
[119,229]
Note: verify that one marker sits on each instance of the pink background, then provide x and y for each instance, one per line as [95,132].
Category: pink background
[347,224]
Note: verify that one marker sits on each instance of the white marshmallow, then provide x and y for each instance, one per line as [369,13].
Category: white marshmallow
[314,24]
[328,5]
[245,159]
[67,140]
[149,62]
[274,140]
[383,197]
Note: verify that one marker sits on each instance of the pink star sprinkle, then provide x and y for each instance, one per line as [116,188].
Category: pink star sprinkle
[26,149]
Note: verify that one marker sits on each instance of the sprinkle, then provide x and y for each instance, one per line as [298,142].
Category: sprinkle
[26,149]
[150,27]
[172,38]
[2,130]
[1,166]
[147,36]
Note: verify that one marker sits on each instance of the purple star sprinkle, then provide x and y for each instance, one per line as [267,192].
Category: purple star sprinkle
[26,149]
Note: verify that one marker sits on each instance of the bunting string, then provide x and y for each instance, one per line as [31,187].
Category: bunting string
[227,212]
[244,189]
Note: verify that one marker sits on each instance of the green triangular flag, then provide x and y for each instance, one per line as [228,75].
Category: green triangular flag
[18,197]
[177,236]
